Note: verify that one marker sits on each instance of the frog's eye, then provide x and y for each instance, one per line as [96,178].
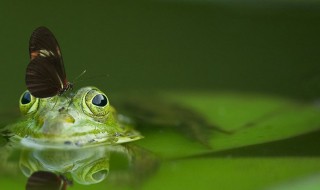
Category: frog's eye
[96,103]
[26,98]
[28,103]
[100,100]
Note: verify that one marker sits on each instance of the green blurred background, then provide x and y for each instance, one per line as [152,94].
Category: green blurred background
[257,46]
[263,47]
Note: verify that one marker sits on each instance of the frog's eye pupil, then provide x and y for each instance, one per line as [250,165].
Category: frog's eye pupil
[100,100]
[26,98]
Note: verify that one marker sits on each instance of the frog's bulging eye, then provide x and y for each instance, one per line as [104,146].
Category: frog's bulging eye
[28,103]
[100,100]
[26,98]
[95,103]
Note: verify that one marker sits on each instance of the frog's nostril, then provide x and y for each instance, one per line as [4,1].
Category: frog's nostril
[69,119]
[61,109]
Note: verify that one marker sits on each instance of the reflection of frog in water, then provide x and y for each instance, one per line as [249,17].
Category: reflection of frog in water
[88,165]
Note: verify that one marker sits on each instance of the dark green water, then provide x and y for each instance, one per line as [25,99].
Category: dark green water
[266,47]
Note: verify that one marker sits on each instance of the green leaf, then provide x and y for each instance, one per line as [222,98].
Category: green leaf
[251,119]
[270,147]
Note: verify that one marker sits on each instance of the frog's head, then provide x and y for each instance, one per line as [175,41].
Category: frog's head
[81,118]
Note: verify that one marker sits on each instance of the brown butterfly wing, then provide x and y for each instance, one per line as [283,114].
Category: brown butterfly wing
[42,79]
[43,180]
[45,76]
[43,43]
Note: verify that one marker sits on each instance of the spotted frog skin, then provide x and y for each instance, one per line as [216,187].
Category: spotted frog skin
[81,118]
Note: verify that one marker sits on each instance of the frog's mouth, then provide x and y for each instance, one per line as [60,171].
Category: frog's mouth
[77,142]
[74,142]
[63,131]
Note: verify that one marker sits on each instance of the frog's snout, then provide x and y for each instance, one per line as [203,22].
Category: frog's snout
[55,125]
[64,116]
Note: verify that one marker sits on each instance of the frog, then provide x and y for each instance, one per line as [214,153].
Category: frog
[74,135]
[81,118]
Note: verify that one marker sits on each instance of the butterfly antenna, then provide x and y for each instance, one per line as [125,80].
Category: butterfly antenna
[81,74]
[96,77]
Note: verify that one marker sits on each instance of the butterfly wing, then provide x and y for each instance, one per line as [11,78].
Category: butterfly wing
[46,180]
[45,76]
[42,79]
[43,43]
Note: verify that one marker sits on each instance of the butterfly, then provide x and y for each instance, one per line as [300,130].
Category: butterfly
[45,74]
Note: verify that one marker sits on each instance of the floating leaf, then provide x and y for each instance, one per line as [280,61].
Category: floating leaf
[250,119]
